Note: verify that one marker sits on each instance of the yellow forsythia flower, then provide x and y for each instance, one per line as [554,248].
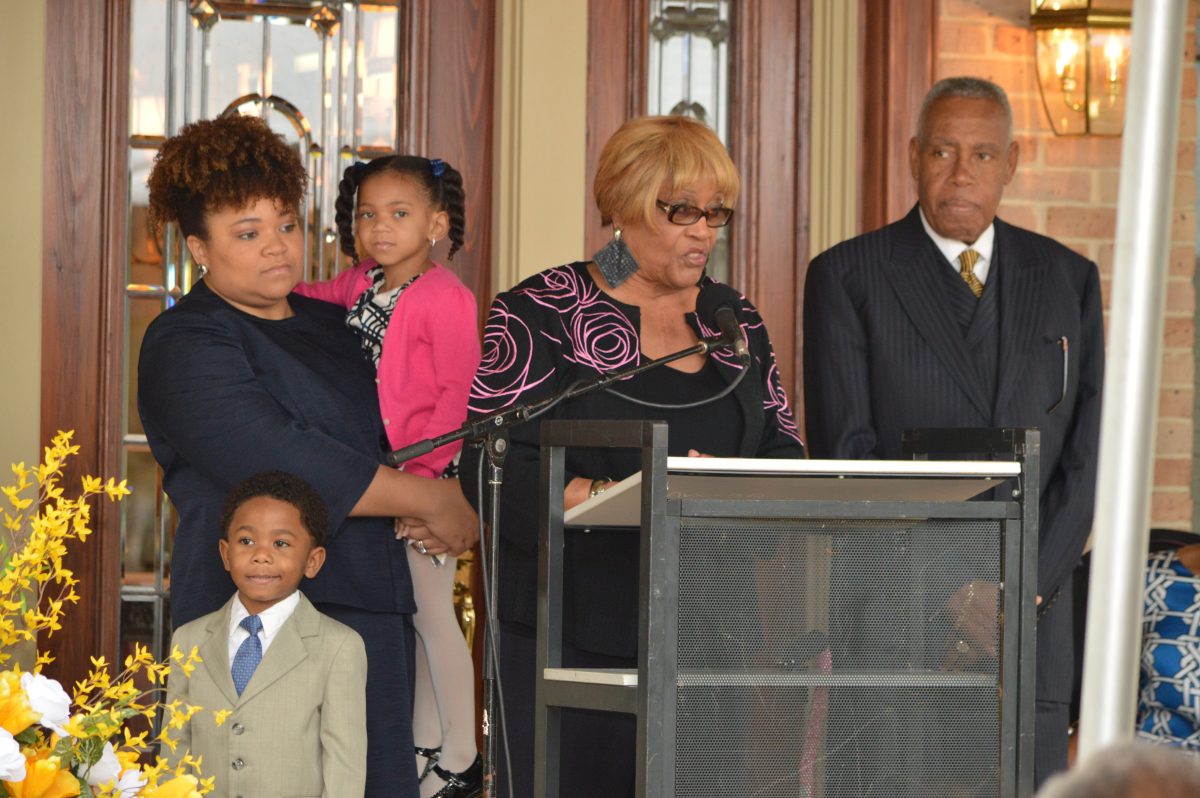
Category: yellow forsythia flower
[15,713]
[179,787]
[44,779]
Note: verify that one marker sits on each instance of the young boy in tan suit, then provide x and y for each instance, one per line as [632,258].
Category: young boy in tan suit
[294,680]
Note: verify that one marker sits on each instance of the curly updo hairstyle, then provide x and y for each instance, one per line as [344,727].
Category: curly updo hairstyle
[441,182]
[214,164]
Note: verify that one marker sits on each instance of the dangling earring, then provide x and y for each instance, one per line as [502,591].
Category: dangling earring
[615,261]
[432,242]
[202,269]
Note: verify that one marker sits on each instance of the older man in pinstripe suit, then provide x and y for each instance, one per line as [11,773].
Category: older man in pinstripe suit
[951,317]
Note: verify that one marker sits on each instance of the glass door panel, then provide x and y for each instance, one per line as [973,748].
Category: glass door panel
[689,68]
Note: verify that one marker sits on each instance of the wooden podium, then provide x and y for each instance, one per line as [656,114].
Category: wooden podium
[809,628]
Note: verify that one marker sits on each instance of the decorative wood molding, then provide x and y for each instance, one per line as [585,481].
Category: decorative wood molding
[87,76]
[898,45]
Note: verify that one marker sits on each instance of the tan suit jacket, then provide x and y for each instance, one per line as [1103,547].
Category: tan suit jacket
[298,730]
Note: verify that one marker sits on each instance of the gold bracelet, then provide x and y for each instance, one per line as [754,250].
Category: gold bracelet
[598,486]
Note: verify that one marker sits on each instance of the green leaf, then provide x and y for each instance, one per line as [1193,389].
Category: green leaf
[27,737]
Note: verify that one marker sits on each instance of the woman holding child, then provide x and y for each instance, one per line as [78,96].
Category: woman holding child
[243,376]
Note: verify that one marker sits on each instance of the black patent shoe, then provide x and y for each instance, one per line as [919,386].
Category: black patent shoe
[467,784]
[432,755]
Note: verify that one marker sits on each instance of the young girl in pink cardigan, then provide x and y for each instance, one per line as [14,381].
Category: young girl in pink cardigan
[417,323]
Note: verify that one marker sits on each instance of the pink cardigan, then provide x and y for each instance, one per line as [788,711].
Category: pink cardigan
[430,353]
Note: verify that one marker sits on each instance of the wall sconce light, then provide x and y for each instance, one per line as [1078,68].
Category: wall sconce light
[1083,63]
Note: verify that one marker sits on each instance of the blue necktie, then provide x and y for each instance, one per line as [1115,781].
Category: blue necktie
[249,653]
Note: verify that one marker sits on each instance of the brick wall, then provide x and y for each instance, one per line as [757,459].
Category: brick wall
[1067,188]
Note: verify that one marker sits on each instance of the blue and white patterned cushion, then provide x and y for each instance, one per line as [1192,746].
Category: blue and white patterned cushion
[1169,691]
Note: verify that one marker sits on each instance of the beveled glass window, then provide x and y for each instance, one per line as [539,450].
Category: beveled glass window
[689,75]
[324,74]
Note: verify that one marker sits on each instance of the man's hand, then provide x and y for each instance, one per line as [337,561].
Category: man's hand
[973,611]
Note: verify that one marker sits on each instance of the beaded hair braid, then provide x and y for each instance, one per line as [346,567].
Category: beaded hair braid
[444,190]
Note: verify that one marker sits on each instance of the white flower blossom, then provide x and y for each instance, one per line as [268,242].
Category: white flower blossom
[12,761]
[130,784]
[108,769]
[48,699]
[126,784]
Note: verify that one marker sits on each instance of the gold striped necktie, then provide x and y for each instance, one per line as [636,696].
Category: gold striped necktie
[966,262]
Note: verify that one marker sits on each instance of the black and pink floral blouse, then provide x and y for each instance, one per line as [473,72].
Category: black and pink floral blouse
[554,329]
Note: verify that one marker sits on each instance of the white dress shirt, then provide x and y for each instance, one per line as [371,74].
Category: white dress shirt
[951,248]
[272,619]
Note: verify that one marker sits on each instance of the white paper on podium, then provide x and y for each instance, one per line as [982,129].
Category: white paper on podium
[830,480]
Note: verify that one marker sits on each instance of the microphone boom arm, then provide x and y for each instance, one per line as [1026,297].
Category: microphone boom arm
[478,429]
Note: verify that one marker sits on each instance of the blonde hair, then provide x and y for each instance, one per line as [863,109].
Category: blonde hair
[650,152]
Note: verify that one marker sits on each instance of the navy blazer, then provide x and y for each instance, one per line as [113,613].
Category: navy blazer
[883,354]
[224,395]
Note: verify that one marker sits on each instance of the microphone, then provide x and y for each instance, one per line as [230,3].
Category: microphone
[717,306]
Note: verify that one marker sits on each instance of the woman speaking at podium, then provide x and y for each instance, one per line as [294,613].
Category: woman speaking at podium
[667,186]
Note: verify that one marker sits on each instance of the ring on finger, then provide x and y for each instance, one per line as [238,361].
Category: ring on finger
[421,547]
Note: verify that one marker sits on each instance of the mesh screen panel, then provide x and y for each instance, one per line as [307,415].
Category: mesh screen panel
[838,659]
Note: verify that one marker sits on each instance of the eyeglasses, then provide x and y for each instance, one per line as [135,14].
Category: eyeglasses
[684,214]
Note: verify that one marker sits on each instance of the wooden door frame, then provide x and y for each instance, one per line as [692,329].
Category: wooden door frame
[83,246]
[898,42]
[447,100]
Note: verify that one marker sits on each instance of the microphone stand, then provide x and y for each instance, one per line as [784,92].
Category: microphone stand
[492,430]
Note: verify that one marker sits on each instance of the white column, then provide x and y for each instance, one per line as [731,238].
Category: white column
[1127,434]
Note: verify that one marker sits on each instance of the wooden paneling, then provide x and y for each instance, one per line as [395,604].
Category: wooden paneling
[616,85]
[898,41]
[769,142]
[459,76]
[83,208]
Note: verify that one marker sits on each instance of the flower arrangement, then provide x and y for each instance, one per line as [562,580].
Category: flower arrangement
[53,745]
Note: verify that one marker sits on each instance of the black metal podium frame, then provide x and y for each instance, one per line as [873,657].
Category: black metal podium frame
[652,699]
